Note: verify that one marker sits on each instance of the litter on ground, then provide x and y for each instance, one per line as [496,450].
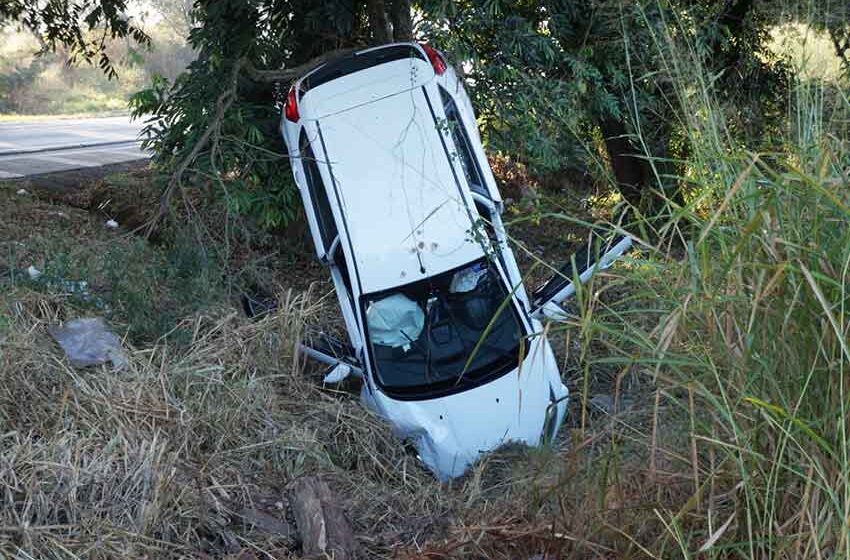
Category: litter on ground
[89,342]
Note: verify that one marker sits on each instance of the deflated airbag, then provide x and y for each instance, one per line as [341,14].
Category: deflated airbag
[395,321]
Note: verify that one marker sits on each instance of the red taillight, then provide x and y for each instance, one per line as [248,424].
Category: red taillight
[436,60]
[290,110]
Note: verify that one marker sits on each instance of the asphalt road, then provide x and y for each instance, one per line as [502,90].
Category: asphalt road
[47,146]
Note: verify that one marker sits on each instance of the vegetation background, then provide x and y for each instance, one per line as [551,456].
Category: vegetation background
[708,370]
[50,83]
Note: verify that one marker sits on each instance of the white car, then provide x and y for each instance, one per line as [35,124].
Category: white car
[404,210]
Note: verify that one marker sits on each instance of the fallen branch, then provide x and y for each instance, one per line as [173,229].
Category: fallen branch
[324,529]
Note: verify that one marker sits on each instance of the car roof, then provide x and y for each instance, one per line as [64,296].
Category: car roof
[404,209]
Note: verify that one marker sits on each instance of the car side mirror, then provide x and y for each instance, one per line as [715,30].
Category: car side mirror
[337,374]
[581,266]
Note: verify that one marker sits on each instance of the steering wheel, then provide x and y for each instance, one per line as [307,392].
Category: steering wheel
[476,312]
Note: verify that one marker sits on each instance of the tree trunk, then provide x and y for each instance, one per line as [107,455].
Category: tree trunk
[401,20]
[378,23]
[630,169]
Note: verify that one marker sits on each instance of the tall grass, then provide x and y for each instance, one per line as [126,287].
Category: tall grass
[742,339]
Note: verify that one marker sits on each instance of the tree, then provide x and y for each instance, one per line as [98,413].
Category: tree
[552,76]
[217,124]
[82,26]
[555,84]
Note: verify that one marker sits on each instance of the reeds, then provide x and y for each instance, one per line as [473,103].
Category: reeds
[737,341]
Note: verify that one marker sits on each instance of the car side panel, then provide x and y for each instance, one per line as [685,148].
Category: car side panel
[292,133]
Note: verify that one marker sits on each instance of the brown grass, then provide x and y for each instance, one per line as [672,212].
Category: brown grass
[161,460]
[168,458]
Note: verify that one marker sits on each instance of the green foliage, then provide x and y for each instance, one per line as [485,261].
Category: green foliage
[82,26]
[514,59]
[244,164]
[545,76]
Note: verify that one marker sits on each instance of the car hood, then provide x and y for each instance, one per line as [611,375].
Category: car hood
[450,433]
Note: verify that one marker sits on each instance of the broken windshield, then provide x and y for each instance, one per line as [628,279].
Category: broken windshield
[423,334]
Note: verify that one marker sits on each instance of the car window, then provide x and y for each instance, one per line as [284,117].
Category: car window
[318,193]
[354,62]
[462,144]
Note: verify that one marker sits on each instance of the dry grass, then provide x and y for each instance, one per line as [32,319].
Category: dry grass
[163,459]
[149,461]
[169,457]
[174,457]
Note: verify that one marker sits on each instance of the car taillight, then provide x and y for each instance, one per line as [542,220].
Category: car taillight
[290,110]
[436,60]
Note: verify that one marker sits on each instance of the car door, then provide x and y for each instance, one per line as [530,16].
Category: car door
[597,253]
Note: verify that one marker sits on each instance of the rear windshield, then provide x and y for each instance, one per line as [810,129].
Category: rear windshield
[349,64]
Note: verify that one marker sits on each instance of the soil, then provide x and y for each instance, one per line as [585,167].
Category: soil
[65,183]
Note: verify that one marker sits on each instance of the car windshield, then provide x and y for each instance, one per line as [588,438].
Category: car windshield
[422,335]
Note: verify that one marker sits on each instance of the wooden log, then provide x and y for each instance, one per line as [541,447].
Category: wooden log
[324,529]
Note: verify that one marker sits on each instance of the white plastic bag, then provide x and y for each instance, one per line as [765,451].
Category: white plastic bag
[467,279]
[89,342]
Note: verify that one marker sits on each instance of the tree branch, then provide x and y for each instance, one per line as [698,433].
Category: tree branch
[291,74]
[223,103]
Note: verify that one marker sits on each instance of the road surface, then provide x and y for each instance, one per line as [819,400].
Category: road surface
[51,145]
